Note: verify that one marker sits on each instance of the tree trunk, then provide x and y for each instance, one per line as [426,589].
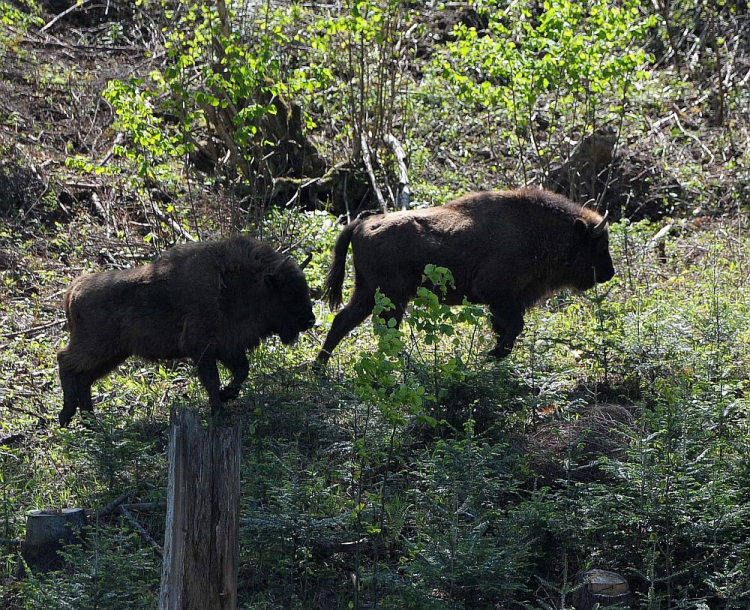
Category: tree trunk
[201,547]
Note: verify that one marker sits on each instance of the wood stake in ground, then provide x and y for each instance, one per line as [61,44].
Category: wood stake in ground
[201,547]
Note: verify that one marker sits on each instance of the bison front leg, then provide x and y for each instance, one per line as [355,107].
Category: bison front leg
[506,317]
[208,373]
[198,342]
[237,363]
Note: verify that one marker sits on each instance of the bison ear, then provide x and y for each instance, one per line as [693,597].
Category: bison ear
[581,228]
[272,280]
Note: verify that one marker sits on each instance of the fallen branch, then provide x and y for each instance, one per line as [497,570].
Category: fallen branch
[112,506]
[33,329]
[65,13]
[6,405]
[108,155]
[170,222]
[141,530]
[118,502]
[320,545]
[404,191]
[659,240]
[82,185]
[660,236]
[368,166]
[102,212]
[145,506]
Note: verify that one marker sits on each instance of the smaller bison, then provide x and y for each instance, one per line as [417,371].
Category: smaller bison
[205,301]
[506,249]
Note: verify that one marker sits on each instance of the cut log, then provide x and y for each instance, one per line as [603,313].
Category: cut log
[603,589]
[201,547]
[47,532]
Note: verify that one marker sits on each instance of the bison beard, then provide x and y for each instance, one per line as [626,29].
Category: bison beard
[206,301]
[506,249]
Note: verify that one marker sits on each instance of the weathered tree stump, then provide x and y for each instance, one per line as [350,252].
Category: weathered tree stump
[608,589]
[47,532]
[201,547]
[584,175]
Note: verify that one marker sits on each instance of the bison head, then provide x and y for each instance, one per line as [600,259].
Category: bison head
[592,264]
[290,309]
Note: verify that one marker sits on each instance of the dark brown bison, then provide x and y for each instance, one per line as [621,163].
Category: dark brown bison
[506,249]
[205,301]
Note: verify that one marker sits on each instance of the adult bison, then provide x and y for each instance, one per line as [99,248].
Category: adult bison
[205,301]
[506,249]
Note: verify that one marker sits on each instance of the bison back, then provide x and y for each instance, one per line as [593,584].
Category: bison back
[124,311]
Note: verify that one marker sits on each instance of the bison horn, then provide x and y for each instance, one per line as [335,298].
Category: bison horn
[306,262]
[599,229]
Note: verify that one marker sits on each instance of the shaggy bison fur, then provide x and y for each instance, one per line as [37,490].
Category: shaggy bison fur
[506,249]
[205,301]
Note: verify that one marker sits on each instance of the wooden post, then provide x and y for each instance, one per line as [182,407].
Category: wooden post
[201,547]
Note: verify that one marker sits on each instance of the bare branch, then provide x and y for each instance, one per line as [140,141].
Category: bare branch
[141,530]
[175,226]
[65,13]
[112,506]
[404,191]
[368,165]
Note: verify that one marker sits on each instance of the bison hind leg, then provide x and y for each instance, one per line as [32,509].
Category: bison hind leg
[86,378]
[70,395]
[238,365]
[76,383]
[506,317]
[355,312]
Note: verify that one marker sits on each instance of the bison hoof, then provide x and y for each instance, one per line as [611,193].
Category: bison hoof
[219,415]
[229,393]
[317,367]
[501,351]
[322,359]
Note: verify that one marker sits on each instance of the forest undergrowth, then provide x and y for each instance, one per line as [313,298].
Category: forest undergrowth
[614,436]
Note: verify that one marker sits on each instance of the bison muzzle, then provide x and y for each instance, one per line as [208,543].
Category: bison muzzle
[506,249]
[208,301]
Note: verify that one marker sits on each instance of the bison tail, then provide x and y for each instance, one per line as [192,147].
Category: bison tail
[335,277]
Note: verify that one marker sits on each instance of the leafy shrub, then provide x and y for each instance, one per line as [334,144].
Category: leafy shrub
[552,75]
